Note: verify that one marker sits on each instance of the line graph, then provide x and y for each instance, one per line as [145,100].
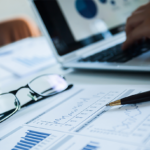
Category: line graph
[85,113]
[75,114]
[132,113]
[81,107]
[124,121]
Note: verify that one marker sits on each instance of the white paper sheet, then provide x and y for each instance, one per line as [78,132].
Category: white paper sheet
[4,73]
[27,56]
[79,120]
[5,77]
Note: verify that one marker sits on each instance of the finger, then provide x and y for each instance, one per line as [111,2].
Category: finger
[138,12]
[133,22]
[141,8]
[137,18]
[138,33]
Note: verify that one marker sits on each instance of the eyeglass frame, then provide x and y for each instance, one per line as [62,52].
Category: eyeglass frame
[34,95]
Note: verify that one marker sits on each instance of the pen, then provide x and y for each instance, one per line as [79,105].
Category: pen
[133,99]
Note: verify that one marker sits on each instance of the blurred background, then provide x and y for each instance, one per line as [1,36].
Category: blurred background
[14,8]
[24,51]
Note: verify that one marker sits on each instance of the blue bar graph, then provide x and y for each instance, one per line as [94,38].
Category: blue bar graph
[31,139]
[91,146]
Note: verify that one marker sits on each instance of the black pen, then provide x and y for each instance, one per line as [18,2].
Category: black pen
[133,99]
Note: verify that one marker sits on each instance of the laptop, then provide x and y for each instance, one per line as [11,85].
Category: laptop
[88,34]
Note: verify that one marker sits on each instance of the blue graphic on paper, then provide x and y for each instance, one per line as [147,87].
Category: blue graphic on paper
[31,139]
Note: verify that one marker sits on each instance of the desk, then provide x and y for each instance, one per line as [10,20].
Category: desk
[88,77]
[75,77]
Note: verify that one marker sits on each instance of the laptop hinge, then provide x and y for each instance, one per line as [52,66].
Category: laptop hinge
[70,57]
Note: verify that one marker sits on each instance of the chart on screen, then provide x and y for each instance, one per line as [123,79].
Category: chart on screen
[87,9]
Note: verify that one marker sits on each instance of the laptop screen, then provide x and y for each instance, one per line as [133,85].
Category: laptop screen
[74,24]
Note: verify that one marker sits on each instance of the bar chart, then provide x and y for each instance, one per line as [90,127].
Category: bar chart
[91,146]
[31,139]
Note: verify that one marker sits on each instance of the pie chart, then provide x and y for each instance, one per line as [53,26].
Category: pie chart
[103,1]
[113,2]
[86,8]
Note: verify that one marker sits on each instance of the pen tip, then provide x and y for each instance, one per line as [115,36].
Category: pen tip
[107,105]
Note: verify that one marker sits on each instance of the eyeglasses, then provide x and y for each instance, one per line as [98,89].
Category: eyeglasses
[37,89]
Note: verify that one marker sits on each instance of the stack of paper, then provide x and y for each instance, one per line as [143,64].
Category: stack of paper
[27,56]
[78,119]
[4,74]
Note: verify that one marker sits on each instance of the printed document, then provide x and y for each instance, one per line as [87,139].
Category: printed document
[27,56]
[78,119]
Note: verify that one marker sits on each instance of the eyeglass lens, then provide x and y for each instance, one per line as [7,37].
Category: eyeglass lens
[48,85]
[7,103]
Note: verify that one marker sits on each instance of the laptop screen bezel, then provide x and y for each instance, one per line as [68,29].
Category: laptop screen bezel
[114,31]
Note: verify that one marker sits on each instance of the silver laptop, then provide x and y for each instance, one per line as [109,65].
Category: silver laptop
[88,34]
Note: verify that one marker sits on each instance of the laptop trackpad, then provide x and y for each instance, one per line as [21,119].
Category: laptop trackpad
[142,60]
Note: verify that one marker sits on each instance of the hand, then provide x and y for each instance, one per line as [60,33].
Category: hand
[138,26]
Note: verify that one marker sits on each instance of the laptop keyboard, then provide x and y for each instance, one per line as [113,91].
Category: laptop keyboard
[116,54]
